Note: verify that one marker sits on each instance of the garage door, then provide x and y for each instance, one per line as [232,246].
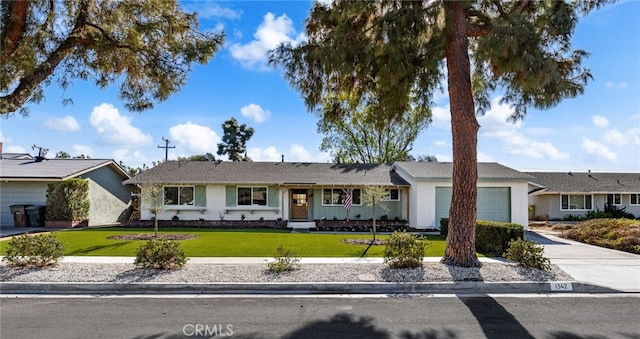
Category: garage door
[18,193]
[494,203]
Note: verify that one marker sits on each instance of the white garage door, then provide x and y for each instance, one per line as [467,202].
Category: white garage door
[494,203]
[20,193]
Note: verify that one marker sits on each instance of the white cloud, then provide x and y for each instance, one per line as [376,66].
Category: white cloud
[482,157]
[610,84]
[295,153]
[207,10]
[614,138]
[268,154]
[441,143]
[81,150]
[441,117]
[194,139]
[600,121]
[115,129]
[298,153]
[444,158]
[598,150]
[255,112]
[518,144]
[495,124]
[64,124]
[270,34]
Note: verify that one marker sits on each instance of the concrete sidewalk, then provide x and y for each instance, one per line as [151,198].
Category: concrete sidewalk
[591,264]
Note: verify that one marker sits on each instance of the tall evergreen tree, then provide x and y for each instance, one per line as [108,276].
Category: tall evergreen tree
[399,50]
[234,140]
[146,46]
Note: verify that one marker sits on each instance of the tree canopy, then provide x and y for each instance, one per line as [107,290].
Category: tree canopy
[145,46]
[234,140]
[358,136]
[392,54]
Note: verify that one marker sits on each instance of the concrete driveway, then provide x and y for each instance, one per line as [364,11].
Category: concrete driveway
[591,264]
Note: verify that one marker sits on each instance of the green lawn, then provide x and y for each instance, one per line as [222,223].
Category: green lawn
[228,243]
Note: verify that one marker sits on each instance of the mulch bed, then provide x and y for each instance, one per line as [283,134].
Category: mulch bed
[150,236]
[377,242]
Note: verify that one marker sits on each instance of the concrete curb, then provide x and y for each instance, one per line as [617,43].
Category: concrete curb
[466,287]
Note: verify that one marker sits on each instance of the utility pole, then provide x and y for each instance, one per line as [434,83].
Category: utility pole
[166,148]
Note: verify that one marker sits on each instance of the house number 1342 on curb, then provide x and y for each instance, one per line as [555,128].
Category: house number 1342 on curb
[561,286]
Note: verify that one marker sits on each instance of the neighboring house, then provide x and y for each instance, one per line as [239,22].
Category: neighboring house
[502,192]
[24,182]
[558,195]
[304,192]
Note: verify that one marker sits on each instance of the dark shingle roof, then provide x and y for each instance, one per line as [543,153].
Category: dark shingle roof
[444,170]
[51,169]
[280,173]
[588,182]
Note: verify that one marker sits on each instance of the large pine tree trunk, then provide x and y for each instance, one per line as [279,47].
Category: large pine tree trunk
[461,248]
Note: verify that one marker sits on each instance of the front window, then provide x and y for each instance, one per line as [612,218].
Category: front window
[337,196]
[250,196]
[392,195]
[635,198]
[179,195]
[576,202]
[613,199]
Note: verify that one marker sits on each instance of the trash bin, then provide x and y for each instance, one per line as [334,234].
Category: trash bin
[20,218]
[36,215]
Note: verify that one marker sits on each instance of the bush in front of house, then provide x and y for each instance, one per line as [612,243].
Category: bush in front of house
[404,250]
[528,254]
[492,237]
[68,200]
[619,234]
[34,251]
[161,254]
[284,261]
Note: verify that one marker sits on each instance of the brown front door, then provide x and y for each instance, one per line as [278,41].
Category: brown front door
[299,204]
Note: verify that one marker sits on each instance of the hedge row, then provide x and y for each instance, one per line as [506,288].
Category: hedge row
[492,237]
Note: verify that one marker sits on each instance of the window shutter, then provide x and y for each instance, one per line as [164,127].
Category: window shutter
[201,196]
[231,196]
[273,198]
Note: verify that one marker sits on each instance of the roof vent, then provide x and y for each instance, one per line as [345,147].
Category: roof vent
[570,173]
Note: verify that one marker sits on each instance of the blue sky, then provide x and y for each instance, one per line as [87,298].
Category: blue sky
[597,131]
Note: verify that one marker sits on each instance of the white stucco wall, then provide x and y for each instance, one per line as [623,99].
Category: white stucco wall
[215,206]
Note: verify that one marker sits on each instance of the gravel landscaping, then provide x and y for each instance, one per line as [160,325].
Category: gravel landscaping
[204,273]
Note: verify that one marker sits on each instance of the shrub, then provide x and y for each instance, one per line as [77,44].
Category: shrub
[160,254]
[404,250]
[285,261]
[444,226]
[528,254]
[618,234]
[610,211]
[493,237]
[68,200]
[34,251]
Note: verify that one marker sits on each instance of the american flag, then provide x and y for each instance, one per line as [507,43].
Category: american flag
[348,201]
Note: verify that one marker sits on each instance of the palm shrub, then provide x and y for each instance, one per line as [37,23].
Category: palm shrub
[404,250]
[34,251]
[284,261]
[161,254]
[528,254]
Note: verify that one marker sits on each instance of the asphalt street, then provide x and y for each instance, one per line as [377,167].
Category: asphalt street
[411,317]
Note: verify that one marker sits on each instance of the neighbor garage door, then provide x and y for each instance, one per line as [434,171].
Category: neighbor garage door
[19,193]
[494,203]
